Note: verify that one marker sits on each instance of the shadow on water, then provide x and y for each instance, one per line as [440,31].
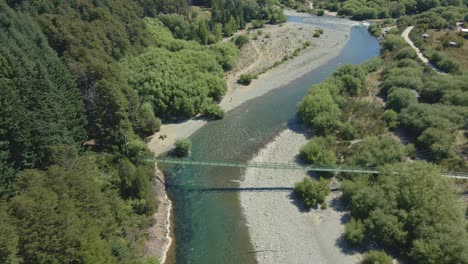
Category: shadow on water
[295,125]
[238,189]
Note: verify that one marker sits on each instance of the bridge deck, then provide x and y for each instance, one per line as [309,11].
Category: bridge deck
[290,166]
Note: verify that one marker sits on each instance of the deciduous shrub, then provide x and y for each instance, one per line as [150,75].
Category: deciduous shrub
[311,191]
[409,206]
[258,23]
[391,118]
[246,79]
[241,40]
[319,111]
[182,147]
[374,30]
[318,151]
[375,151]
[213,111]
[400,98]
[444,63]
[406,53]
[376,257]
[355,231]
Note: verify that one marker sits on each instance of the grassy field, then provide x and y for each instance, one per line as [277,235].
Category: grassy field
[459,54]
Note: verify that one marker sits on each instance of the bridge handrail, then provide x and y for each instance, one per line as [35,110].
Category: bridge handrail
[289,166]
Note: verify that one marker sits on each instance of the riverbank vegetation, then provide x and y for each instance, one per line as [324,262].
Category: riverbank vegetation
[385,114]
[375,256]
[83,82]
[437,31]
[182,147]
[361,10]
[312,192]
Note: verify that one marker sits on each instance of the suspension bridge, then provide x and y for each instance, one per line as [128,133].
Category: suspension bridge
[288,166]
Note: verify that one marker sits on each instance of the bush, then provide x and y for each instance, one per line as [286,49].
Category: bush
[347,131]
[400,98]
[241,40]
[324,205]
[226,54]
[258,23]
[410,151]
[182,147]
[320,12]
[213,111]
[365,13]
[392,43]
[169,79]
[355,231]
[444,63]
[147,123]
[319,111]
[391,119]
[375,256]
[411,204]
[311,191]
[246,79]
[406,53]
[374,30]
[317,151]
[318,32]
[375,151]
[372,65]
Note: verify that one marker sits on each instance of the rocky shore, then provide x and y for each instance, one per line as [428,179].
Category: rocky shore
[281,229]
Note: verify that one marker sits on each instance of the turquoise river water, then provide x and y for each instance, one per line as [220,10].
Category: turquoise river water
[209,226]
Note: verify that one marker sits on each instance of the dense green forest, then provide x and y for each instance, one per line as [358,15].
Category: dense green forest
[386,113]
[82,82]
[372,9]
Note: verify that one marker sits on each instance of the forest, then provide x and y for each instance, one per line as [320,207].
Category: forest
[395,114]
[373,9]
[82,84]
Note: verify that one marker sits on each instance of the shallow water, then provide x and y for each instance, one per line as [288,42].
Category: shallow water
[209,226]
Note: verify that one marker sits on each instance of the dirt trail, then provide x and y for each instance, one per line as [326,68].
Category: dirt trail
[405,35]
[254,65]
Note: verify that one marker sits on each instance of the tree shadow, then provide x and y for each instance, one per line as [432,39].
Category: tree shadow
[337,204]
[298,203]
[295,125]
[348,249]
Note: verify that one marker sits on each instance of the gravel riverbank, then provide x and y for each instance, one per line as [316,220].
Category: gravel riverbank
[281,230]
[281,41]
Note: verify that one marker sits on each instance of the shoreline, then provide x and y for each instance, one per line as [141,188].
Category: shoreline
[323,49]
[276,77]
[159,238]
[281,229]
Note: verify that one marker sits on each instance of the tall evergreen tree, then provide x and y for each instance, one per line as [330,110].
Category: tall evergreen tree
[41,105]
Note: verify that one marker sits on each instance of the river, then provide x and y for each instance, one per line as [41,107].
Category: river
[209,227]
